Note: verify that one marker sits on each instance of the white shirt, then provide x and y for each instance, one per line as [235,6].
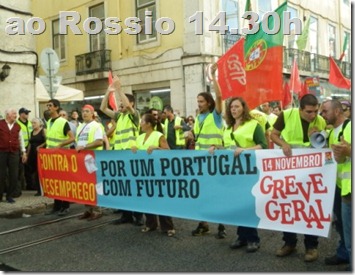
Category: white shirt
[83,134]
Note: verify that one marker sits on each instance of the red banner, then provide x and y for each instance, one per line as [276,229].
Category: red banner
[67,176]
[231,71]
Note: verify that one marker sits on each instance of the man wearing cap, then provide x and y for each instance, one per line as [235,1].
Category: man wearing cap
[89,135]
[11,142]
[58,135]
[24,171]
[346,108]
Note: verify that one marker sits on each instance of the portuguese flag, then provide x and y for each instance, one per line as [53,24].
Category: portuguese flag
[263,55]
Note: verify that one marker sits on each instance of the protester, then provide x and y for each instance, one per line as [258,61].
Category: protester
[208,135]
[37,140]
[126,132]
[59,135]
[89,136]
[11,143]
[346,108]
[159,126]
[296,125]
[174,128]
[277,110]
[333,113]
[24,170]
[74,118]
[152,140]
[243,133]
[72,126]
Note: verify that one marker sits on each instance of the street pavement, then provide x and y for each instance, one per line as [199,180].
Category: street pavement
[123,248]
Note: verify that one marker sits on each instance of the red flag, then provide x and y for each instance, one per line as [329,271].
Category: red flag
[336,77]
[287,99]
[111,97]
[231,71]
[295,82]
[263,54]
[304,90]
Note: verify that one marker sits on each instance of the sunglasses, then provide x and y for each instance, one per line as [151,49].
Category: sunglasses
[50,105]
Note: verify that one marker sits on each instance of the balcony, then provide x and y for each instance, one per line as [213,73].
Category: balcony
[92,62]
[314,63]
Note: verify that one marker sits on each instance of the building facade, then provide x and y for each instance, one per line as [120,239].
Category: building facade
[166,61]
[19,54]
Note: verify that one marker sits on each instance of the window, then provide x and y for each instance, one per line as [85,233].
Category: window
[143,6]
[266,6]
[313,35]
[292,37]
[146,99]
[346,46]
[97,41]
[346,2]
[58,41]
[331,40]
[232,11]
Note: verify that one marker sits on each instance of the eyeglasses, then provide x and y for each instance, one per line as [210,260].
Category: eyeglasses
[49,105]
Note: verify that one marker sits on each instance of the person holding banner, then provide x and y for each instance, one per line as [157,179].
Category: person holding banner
[339,140]
[152,140]
[209,135]
[58,135]
[90,136]
[296,125]
[126,132]
[243,133]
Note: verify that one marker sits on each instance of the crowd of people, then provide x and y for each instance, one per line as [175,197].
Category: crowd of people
[239,129]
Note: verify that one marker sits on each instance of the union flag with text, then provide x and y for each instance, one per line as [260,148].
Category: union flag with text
[231,67]
[263,55]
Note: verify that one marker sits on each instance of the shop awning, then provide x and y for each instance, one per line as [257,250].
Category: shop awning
[64,93]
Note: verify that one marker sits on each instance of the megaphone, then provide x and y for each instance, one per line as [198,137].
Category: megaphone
[319,139]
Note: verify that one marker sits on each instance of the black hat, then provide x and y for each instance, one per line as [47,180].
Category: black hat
[24,110]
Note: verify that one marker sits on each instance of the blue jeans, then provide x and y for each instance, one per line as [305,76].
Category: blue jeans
[248,234]
[341,251]
[310,241]
[347,222]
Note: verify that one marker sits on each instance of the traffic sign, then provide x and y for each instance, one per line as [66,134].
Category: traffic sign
[49,61]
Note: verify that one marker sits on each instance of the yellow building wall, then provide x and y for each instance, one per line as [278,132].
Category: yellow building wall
[123,45]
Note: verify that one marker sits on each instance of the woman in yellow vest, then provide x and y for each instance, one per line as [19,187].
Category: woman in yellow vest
[243,133]
[153,140]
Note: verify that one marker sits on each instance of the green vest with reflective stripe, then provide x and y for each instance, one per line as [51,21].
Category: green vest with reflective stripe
[126,133]
[293,133]
[153,140]
[179,134]
[91,137]
[207,134]
[243,135]
[54,134]
[346,169]
[26,131]
[343,169]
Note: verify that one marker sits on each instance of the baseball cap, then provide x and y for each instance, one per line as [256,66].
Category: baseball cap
[24,110]
[346,103]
